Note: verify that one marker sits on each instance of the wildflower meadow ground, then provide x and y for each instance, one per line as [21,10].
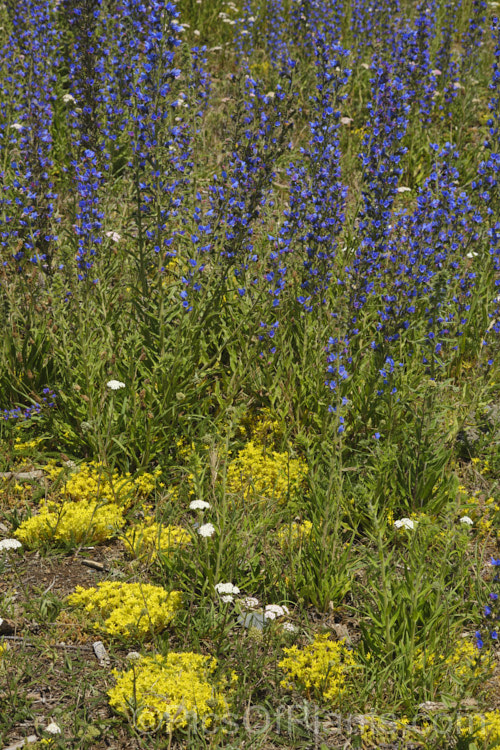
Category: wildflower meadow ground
[250,374]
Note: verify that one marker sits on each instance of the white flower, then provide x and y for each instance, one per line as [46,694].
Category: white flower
[226,588]
[53,728]
[289,627]
[404,523]
[199,505]
[208,529]
[227,598]
[16,126]
[114,236]
[250,602]
[466,520]
[275,610]
[67,98]
[133,655]
[115,385]
[404,189]
[10,544]
[270,615]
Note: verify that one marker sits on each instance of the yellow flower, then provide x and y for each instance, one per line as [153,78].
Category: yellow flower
[257,473]
[320,669]
[71,522]
[483,727]
[294,535]
[464,662]
[169,691]
[93,481]
[148,538]
[127,609]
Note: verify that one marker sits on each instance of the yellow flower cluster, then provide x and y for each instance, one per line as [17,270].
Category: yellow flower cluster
[465,662]
[86,521]
[378,730]
[20,446]
[148,538]
[166,692]
[484,469]
[484,513]
[255,473]
[261,428]
[294,535]
[92,481]
[184,449]
[484,727]
[127,609]
[319,669]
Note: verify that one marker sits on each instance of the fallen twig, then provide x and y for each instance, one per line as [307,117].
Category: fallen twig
[95,565]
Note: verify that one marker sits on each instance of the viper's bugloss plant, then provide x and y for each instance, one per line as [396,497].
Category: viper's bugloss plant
[491,611]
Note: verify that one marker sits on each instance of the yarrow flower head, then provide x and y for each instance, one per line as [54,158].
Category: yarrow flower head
[53,728]
[467,521]
[208,529]
[272,611]
[10,544]
[115,385]
[226,588]
[250,602]
[404,523]
[199,505]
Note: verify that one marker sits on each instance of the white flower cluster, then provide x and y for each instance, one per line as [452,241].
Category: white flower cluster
[272,611]
[226,591]
[467,521]
[404,523]
[53,728]
[10,544]
[115,385]
[226,588]
[250,602]
[199,505]
[208,529]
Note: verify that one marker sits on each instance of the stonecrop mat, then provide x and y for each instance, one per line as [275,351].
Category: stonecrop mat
[249,374]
